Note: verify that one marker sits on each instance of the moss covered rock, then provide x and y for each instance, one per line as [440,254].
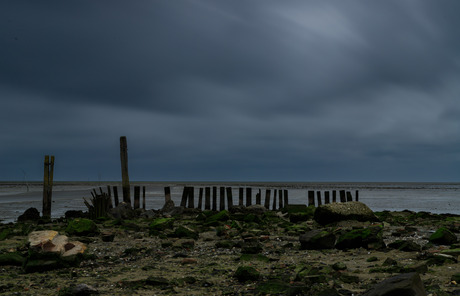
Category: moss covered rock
[185,232]
[369,238]
[246,273]
[160,224]
[335,212]
[216,219]
[14,258]
[443,236]
[317,239]
[82,226]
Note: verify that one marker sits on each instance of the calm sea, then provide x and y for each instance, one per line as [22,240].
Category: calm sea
[15,198]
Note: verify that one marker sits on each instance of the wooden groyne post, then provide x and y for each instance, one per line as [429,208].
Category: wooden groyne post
[267,198]
[48,186]
[229,198]
[124,170]
[137,197]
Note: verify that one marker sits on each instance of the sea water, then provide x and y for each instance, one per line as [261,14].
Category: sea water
[15,198]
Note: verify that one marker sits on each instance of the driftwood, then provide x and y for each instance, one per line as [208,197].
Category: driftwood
[99,206]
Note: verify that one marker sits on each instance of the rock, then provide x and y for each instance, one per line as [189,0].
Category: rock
[443,236]
[189,261]
[253,209]
[246,273]
[160,224]
[82,227]
[317,240]
[79,290]
[168,206]
[405,245]
[252,247]
[73,214]
[122,211]
[215,220]
[403,284]
[185,232]
[13,258]
[339,266]
[156,281]
[184,243]
[335,212]
[31,214]
[452,252]
[368,238]
[107,237]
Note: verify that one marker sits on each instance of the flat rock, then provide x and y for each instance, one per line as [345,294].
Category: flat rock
[335,212]
[50,241]
[402,284]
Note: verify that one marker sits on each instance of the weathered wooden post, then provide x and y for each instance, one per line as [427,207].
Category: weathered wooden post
[222,199]
[229,198]
[207,201]
[47,186]
[327,197]
[214,198]
[258,197]
[248,196]
[349,197]
[274,199]
[357,195]
[109,193]
[200,198]
[334,196]
[280,198]
[124,170]
[267,198]
[241,197]
[311,198]
[286,198]
[318,198]
[183,201]
[342,196]
[167,194]
[115,195]
[143,197]
[191,197]
[137,197]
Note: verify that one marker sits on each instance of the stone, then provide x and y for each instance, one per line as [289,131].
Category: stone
[82,227]
[405,245]
[215,220]
[107,237]
[316,240]
[185,232]
[160,224]
[251,247]
[31,214]
[368,238]
[13,259]
[73,214]
[246,273]
[122,211]
[443,236]
[402,284]
[335,212]
[186,261]
[168,206]
[80,290]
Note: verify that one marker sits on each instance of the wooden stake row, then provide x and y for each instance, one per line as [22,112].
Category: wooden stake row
[345,196]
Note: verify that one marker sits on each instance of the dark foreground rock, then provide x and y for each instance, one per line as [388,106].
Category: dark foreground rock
[408,284]
[317,240]
[31,214]
[335,212]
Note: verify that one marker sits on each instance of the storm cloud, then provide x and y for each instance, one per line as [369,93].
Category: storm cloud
[231,90]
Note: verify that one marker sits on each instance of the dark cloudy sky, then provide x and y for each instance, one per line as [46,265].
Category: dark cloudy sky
[243,90]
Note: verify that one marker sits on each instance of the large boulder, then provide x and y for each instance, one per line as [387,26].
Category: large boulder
[122,211]
[31,214]
[443,236]
[335,212]
[402,284]
[317,240]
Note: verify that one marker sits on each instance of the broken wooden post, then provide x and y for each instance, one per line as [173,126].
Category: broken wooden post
[280,199]
[334,196]
[124,170]
[214,198]
[222,199]
[191,197]
[357,195]
[137,197]
[311,198]
[207,201]
[267,198]
[229,198]
[47,186]
[342,196]
[318,198]
[143,197]
[248,196]
[167,194]
[115,195]
[109,193]
[200,199]
[241,197]
[274,200]
[183,201]
[349,197]
[286,198]
[327,197]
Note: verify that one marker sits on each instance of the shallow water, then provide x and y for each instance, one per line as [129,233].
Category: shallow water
[15,198]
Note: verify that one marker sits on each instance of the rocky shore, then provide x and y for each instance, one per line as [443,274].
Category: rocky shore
[335,249]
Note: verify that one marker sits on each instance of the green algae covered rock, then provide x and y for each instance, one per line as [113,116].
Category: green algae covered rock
[14,258]
[443,236]
[216,219]
[185,232]
[369,238]
[160,224]
[246,273]
[85,227]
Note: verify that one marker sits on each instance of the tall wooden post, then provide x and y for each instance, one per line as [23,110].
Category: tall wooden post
[47,186]
[357,195]
[274,199]
[259,197]
[334,196]
[109,193]
[207,201]
[248,196]
[183,201]
[318,196]
[229,198]
[311,198]
[214,198]
[222,199]
[267,198]
[167,194]
[115,195]
[143,197]
[200,199]
[286,198]
[280,199]
[241,197]
[342,196]
[327,198]
[137,196]
[191,197]
[349,197]
[124,170]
